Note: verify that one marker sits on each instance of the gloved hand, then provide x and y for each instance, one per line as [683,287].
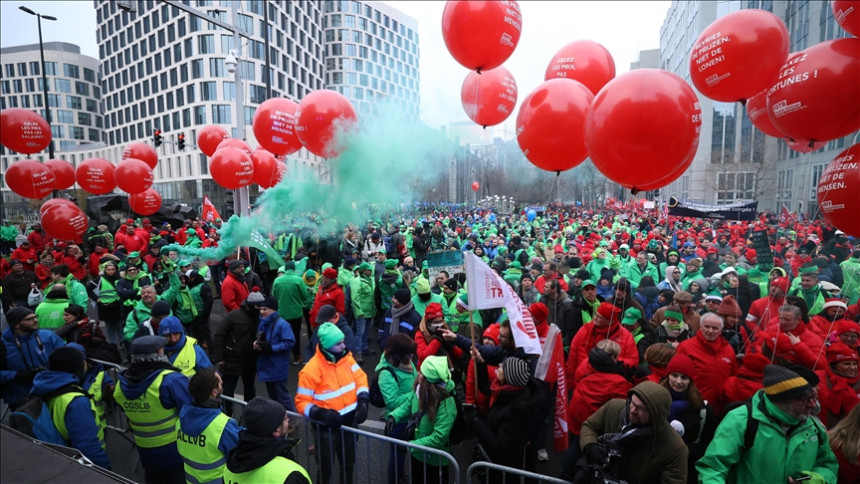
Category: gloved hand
[389,426]
[470,415]
[26,376]
[596,453]
[361,411]
[265,347]
[329,417]
[814,477]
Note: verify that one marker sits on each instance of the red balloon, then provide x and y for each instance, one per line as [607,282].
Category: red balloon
[133,176]
[837,191]
[209,137]
[489,97]
[631,146]
[146,202]
[275,126]
[267,170]
[95,175]
[481,35]
[321,116]
[141,151]
[805,145]
[757,112]
[231,168]
[64,222]
[476,186]
[235,143]
[817,96]
[550,124]
[847,15]
[24,131]
[64,173]
[55,201]
[31,179]
[739,55]
[671,176]
[585,61]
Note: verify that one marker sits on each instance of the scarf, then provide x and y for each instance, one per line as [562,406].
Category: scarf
[396,314]
[810,295]
[267,324]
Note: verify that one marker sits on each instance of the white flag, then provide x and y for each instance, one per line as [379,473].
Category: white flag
[487,290]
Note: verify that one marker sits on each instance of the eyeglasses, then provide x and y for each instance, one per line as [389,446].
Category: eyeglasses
[29,318]
[637,407]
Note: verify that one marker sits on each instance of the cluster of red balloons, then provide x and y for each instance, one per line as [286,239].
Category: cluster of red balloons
[62,219]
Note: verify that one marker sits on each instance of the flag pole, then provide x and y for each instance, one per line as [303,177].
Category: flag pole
[474,361]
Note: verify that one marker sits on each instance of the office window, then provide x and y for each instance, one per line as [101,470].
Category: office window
[227,44]
[206,44]
[76,132]
[73,102]
[35,69]
[50,68]
[61,85]
[229,91]
[93,134]
[72,71]
[85,119]
[199,115]
[216,68]
[82,88]
[208,91]
[221,114]
[92,106]
[196,68]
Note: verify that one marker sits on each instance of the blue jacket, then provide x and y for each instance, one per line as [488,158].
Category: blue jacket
[202,361]
[29,355]
[194,421]
[80,419]
[173,393]
[275,366]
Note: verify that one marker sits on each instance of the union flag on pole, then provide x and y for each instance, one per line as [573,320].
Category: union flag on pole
[550,368]
[209,212]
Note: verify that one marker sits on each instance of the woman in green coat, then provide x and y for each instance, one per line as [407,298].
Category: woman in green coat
[396,375]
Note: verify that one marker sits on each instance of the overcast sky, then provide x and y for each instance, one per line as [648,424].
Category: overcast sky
[625,28]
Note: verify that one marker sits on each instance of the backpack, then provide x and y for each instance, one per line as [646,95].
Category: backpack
[376,398]
[390,249]
[33,417]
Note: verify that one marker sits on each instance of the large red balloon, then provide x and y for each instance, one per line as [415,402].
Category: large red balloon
[55,201]
[63,171]
[671,176]
[133,176]
[476,186]
[757,112]
[95,175]
[275,126]
[630,145]
[30,179]
[141,151]
[489,97]
[234,143]
[837,191]
[232,168]
[847,15]
[266,170]
[321,116]
[739,55]
[24,131]
[550,124]
[64,222]
[817,96]
[585,61]
[209,137]
[481,35]
[146,202]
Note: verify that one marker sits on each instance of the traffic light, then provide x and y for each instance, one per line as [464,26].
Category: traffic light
[180,141]
[157,137]
[228,198]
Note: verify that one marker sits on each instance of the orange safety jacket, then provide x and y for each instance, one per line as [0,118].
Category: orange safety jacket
[331,385]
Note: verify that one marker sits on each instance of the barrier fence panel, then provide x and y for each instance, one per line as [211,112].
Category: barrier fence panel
[489,473]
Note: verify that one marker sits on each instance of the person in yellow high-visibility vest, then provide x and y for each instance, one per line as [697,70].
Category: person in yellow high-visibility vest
[182,350]
[152,393]
[264,453]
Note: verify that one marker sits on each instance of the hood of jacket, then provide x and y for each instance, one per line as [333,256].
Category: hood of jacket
[138,378]
[253,452]
[48,381]
[196,418]
[657,398]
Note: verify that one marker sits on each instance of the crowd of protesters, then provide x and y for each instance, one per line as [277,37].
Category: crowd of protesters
[678,334]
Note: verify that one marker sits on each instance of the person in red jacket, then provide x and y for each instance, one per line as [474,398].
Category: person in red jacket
[713,359]
[129,238]
[828,319]
[839,390]
[657,358]
[790,323]
[480,397]
[435,338]
[741,387]
[74,258]
[598,379]
[234,289]
[764,309]
[540,313]
[27,255]
[37,238]
[328,292]
[606,325]
[95,259]
[550,271]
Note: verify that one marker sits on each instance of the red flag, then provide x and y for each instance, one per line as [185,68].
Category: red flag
[785,214]
[550,368]
[209,212]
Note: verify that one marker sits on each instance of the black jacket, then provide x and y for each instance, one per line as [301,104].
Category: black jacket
[234,341]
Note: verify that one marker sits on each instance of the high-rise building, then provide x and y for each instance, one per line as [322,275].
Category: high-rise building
[735,161]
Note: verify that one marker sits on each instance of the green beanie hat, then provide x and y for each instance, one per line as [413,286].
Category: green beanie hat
[391,264]
[435,369]
[329,335]
[422,286]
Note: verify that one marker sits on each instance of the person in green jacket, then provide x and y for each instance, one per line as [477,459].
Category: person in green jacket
[598,264]
[639,269]
[694,271]
[60,274]
[396,376]
[424,296]
[851,278]
[293,297]
[789,443]
[362,288]
[143,309]
[50,311]
[434,397]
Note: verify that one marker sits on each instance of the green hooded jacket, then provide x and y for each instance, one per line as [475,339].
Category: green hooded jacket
[292,295]
[77,292]
[397,392]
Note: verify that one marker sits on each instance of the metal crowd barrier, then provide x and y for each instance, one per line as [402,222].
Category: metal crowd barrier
[479,473]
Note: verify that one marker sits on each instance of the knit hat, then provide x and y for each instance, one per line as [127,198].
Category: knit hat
[847,326]
[516,371]
[435,369]
[631,316]
[365,266]
[780,282]
[76,311]
[289,266]
[463,301]
[329,335]
[755,362]
[838,352]
[263,416]
[452,284]
[835,302]
[714,296]
[433,311]
[493,332]
[349,262]
[310,277]
[255,298]
[326,312]
[782,384]
[390,264]
[170,324]
[66,359]
[696,262]
[539,312]
[234,264]
[729,307]
[422,286]
[134,255]
[608,310]
[810,269]
[270,302]
[403,296]
[683,297]
[330,273]
[681,363]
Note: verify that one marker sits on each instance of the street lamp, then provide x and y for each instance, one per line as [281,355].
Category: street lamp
[39,18]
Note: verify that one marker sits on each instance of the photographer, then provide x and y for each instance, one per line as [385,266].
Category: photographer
[273,344]
[632,440]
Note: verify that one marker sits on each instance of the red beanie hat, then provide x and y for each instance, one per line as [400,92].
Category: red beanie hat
[608,310]
[492,332]
[539,312]
[838,352]
[756,362]
[433,311]
[330,273]
[681,363]
[780,282]
[750,254]
[847,326]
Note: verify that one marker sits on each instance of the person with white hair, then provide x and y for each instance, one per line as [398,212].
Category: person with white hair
[713,359]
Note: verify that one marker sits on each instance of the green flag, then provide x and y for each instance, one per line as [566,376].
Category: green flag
[258,241]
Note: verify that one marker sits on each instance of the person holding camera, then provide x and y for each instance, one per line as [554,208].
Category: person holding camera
[27,351]
[632,439]
[273,344]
